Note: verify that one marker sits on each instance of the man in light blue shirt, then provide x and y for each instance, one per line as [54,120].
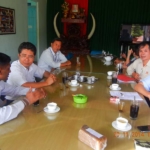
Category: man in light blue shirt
[52,57]
[143,87]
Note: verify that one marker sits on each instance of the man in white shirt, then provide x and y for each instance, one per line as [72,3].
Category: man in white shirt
[24,71]
[140,68]
[11,111]
[52,57]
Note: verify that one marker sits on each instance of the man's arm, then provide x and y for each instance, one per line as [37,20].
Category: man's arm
[140,88]
[11,111]
[50,80]
[67,63]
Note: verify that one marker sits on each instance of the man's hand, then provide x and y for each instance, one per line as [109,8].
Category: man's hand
[34,96]
[68,63]
[51,79]
[130,52]
[136,76]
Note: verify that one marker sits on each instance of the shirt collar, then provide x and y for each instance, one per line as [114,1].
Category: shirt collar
[53,51]
[30,68]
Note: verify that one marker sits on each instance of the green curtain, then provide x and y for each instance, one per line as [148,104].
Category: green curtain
[53,6]
[109,15]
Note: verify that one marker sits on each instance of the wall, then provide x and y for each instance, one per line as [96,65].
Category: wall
[9,43]
[42,24]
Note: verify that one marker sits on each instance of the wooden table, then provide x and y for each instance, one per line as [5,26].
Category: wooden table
[36,130]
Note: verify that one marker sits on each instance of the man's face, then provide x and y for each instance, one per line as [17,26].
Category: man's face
[144,53]
[56,46]
[26,57]
[4,72]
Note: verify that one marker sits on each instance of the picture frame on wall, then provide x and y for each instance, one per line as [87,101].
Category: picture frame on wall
[7,21]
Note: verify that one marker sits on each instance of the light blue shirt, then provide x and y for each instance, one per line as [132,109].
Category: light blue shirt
[146,83]
[49,59]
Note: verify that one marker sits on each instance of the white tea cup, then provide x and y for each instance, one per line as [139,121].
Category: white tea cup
[93,78]
[73,82]
[81,78]
[75,77]
[89,79]
[115,86]
[121,122]
[51,106]
[110,73]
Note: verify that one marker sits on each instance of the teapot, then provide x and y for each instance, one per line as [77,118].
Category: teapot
[108,58]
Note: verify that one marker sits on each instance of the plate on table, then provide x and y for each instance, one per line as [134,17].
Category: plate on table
[127,128]
[51,111]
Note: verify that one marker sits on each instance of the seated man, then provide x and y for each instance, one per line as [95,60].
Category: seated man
[143,87]
[24,71]
[52,57]
[140,68]
[11,111]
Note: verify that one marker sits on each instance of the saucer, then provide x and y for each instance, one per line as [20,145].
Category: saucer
[109,77]
[127,128]
[73,85]
[90,82]
[118,89]
[53,111]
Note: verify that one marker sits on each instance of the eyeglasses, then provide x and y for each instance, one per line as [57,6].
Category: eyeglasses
[27,56]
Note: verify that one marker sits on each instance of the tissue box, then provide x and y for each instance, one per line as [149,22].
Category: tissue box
[92,138]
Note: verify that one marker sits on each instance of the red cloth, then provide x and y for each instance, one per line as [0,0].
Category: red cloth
[81,4]
[124,78]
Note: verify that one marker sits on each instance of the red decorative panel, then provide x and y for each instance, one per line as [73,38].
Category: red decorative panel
[82,4]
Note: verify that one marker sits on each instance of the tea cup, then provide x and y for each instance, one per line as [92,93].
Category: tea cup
[93,78]
[51,106]
[73,82]
[89,79]
[121,122]
[75,77]
[115,86]
[81,78]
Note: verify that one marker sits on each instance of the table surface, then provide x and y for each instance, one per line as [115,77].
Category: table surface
[34,129]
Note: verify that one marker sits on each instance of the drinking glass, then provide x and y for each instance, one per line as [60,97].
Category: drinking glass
[134,109]
[121,106]
[114,77]
[64,77]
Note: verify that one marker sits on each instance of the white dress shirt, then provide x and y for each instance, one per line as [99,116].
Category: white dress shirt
[137,66]
[11,111]
[20,75]
[49,59]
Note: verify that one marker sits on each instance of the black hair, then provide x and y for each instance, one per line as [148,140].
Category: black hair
[4,59]
[56,39]
[27,45]
[143,44]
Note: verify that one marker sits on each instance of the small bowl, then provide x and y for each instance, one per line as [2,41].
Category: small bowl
[121,122]
[110,73]
[80,98]
[51,106]
[115,86]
